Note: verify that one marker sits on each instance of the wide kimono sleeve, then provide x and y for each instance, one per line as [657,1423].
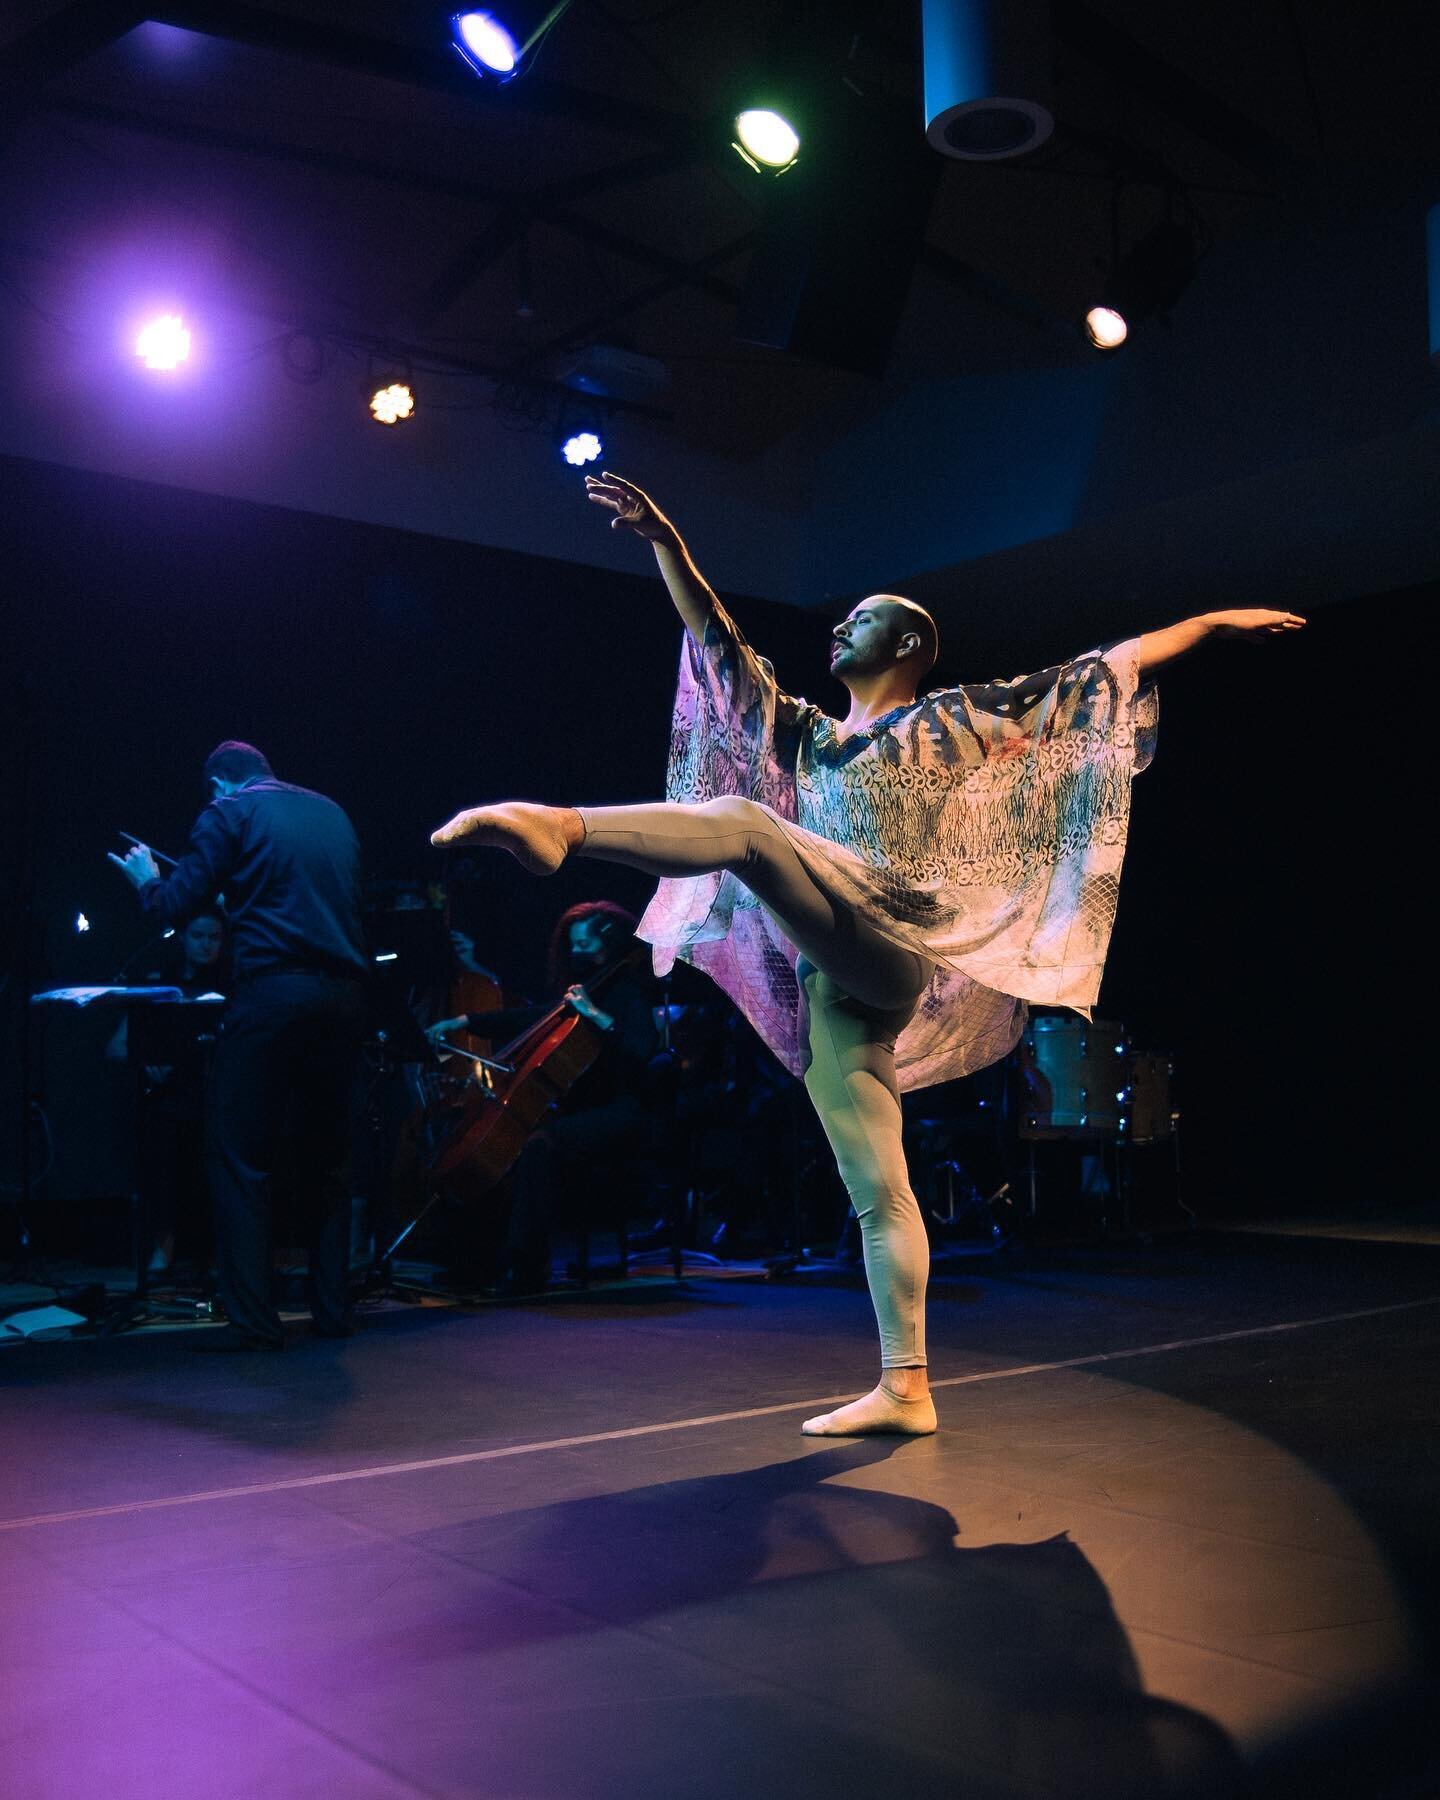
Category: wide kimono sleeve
[1036,821]
[734,731]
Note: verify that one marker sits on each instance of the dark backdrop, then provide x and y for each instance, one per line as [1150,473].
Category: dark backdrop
[1266,933]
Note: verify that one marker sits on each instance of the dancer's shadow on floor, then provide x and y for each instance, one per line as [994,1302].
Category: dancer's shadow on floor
[844,1619]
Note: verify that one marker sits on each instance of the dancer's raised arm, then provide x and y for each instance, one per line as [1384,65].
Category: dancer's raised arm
[635,511]
[1160,647]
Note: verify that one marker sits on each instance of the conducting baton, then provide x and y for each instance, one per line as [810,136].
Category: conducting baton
[140,844]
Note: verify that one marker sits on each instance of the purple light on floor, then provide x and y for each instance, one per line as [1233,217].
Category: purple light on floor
[485,43]
[164,343]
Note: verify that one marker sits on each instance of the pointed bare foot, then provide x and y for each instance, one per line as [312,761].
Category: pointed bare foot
[539,837]
[877,1411]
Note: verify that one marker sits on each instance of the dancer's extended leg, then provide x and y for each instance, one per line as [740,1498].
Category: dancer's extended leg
[746,839]
[667,839]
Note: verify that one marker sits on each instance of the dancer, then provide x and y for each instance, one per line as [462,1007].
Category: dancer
[880,894]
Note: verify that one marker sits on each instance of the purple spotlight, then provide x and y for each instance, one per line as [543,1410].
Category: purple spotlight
[164,343]
[485,43]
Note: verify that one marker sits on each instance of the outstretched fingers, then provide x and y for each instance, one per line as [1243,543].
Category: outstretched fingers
[607,489]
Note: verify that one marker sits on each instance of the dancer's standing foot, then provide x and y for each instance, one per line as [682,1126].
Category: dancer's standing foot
[883,1409]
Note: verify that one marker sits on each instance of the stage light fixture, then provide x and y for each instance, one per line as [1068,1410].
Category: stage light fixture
[81,922]
[580,433]
[1146,281]
[766,140]
[582,447]
[164,343]
[497,44]
[392,402]
[485,44]
[1106,328]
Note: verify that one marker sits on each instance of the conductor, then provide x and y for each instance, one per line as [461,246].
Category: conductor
[287,862]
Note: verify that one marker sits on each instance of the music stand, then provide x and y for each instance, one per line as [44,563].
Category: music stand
[166,1033]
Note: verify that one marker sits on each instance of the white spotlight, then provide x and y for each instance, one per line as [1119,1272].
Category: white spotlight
[164,343]
[1106,328]
[582,447]
[392,403]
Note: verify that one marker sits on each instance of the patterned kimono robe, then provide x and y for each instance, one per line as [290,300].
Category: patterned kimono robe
[982,826]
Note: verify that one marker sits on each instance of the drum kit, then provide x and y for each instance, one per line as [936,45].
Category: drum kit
[1087,1084]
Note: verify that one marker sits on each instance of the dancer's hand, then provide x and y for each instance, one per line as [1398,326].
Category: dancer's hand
[1255,622]
[634,510]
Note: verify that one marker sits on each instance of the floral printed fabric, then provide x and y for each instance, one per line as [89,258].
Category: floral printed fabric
[983,826]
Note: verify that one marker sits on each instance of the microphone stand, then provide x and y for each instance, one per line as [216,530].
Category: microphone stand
[25,974]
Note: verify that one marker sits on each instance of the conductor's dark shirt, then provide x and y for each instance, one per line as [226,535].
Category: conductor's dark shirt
[288,864]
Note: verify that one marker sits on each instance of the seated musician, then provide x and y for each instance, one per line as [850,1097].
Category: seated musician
[604,1118]
[170,1171]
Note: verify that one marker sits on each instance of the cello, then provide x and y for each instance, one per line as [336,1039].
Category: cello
[492,1122]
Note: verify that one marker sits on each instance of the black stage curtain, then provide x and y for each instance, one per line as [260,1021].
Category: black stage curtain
[1267,934]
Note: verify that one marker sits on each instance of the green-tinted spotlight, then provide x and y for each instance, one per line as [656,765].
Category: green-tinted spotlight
[765,140]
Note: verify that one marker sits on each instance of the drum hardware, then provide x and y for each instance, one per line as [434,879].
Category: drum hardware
[1087,1084]
[1075,1073]
[955,1201]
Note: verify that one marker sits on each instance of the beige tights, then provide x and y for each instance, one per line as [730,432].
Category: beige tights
[860,990]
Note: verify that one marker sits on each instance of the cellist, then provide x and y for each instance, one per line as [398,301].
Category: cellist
[604,1117]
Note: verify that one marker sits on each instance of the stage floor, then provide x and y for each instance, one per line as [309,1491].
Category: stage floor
[1175,1535]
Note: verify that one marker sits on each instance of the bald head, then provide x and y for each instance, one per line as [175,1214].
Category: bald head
[884,638]
[906,617]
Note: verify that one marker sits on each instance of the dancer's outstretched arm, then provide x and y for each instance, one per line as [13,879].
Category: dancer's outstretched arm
[635,511]
[1254,622]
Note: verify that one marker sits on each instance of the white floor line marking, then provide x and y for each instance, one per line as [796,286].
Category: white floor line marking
[294,1482]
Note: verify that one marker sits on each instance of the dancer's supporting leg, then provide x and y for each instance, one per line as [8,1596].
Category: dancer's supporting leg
[862,987]
[851,1080]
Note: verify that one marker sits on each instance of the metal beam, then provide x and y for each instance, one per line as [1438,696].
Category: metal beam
[611,315]
[1176,94]
[333,162]
[441,70]
[470,262]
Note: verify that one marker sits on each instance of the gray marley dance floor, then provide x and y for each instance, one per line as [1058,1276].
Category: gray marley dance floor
[1174,1536]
